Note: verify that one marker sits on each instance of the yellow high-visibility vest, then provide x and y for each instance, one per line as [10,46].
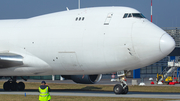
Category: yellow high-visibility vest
[44,94]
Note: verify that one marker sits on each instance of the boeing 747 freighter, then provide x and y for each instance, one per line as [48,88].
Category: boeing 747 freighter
[80,45]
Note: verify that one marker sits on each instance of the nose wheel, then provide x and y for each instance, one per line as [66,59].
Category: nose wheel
[122,87]
[119,89]
[126,90]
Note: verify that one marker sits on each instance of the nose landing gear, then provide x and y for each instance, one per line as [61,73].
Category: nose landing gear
[12,85]
[122,87]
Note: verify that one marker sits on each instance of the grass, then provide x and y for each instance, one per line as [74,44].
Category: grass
[169,89]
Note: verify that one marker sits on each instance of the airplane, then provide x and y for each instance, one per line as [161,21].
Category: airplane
[81,45]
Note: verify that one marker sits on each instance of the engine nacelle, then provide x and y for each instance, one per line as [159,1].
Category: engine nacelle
[84,79]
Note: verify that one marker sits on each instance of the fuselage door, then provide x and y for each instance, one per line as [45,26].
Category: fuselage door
[108,18]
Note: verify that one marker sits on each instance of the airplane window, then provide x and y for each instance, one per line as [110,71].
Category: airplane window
[76,18]
[80,18]
[130,15]
[125,15]
[138,15]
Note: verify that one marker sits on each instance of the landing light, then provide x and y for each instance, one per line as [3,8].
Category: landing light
[123,78]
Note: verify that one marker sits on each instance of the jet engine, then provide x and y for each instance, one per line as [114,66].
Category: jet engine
[84,79]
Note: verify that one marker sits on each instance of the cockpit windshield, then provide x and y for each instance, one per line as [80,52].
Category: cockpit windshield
[138,15]
[134,15]
[125,15]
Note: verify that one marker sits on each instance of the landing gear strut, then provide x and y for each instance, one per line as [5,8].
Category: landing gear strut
[12,85]
[122,87]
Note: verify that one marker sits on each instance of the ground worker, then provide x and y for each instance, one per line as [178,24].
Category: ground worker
[44,90]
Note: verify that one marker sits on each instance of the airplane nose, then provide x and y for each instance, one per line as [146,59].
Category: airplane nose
[167,44]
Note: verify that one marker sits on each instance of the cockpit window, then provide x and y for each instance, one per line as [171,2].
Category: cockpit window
[125,15]
[135,15]
[130,15]
[138,15]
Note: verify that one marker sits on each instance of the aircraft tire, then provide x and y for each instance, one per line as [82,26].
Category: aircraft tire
[125,91]
[6,86]
[118,89]
[13,86]
[21,86]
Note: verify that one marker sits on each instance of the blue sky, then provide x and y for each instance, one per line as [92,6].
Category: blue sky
[166,13]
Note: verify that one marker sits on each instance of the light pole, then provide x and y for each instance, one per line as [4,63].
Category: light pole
[79,4]
[151,10]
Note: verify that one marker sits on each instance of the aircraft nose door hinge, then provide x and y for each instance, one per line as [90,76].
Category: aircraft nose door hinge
[108,18]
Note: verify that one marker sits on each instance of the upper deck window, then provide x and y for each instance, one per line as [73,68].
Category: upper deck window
[135,15]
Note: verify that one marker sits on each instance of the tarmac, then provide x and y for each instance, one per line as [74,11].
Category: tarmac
[101,94]
[105,81]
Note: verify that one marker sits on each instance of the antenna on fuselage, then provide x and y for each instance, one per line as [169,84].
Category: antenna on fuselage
[79,4]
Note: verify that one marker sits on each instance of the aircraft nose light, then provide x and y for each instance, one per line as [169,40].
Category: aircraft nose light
[167,44]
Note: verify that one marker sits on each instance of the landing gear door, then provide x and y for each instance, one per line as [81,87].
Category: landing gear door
[108,18]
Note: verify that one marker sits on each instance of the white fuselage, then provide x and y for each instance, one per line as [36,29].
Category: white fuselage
[100,41]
